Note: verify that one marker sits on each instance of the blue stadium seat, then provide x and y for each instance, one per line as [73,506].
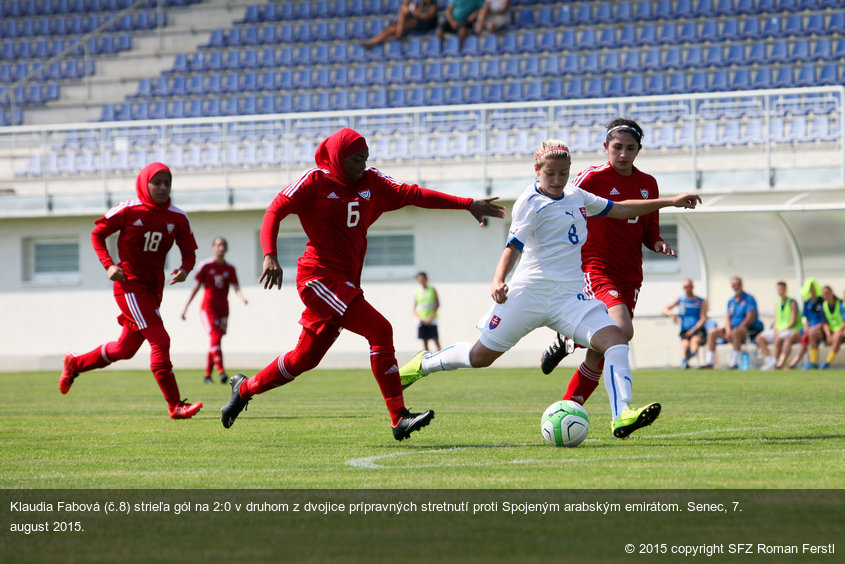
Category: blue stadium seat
[584,14]
[698,82]
[683,9]
[494,93]
[720,81]
[397,98]
[714,56]
[822,49]
[762,78]
[588,39]
[771,27]
[491,69]
[673,58]
[784,78]
[709,31]
[751,29]
[416,96]
[635,86]
[806,76]
[303,102]
[553,89]
[648,35]
[693,59]
[232,82]
[455,94]
[590,62]
[610,62]
[688,33]
[435,96]
[757,53]
[623,12]
[603,13]
[525,19]
[730,30]
[836,24]
[828,75]
[614,86]
[511,68]
[632,60]
[376,74]
[627,36]
[607,38]
[594,88]
[800,51]
[704,9]
[741,80]
[510,43]
[178,86]
[284,103]
[432,47]
[532,67]
[656,84]
[677,83]
[735,55]
[214,107]
[652,60]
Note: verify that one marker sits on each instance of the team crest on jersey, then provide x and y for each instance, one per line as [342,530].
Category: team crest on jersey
[494,321]
[614,293]
[644,193]
[171,227]
[583,212]
[365,194]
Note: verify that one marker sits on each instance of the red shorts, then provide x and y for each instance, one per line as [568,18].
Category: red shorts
[611,294]
[214,320]
[326,301]
[139,310]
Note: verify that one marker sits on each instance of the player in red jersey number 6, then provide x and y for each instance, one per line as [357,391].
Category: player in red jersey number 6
[147,228]
[336,203]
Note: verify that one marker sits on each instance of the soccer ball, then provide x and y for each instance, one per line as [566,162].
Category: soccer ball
[565,423]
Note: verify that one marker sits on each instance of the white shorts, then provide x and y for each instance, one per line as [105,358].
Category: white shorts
[536,305]
[769,334]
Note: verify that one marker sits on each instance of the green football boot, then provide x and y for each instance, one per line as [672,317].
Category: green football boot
[412,371]
[632,419]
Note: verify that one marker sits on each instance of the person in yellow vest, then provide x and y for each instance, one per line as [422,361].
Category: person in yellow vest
[814,324]
[426,304]
[835,329]
[783,331]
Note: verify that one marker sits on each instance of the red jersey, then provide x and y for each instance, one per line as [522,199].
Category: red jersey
[336,213]
[147,232]
[216,278]
[614,246]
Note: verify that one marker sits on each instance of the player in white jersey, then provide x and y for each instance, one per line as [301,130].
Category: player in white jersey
[548,228]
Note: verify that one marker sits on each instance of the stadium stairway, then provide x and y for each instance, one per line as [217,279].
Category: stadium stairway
[152,52]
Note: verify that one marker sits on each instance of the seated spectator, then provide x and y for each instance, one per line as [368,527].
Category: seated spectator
[814,322]
[414,16]
[459,17]
[785,331]
[740,322]
[692,317]
[493,16]
[834,311]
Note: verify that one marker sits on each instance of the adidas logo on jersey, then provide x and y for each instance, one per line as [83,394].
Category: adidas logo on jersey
[138,223]
[332,196]
[614,192]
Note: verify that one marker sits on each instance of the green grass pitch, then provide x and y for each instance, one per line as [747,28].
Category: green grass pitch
[329,429]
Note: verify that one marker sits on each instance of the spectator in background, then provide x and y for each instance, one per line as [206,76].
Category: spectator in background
[740,322]
[835,328]
[814,323]
[459,17]
[692,315]
[414,16]
[426,304]
[786,326]
[493,16]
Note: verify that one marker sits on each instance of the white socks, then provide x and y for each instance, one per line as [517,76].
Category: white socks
[452,357]
[617,378]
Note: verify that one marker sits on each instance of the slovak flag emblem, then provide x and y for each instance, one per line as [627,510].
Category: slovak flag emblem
[644,193]
[364,194]
[494,321]
[170,227]
[583,212]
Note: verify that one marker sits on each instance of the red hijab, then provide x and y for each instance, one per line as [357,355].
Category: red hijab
[142,185]
[336,148]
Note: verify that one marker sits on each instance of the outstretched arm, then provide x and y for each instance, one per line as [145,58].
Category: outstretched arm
[486,208]
[627,209]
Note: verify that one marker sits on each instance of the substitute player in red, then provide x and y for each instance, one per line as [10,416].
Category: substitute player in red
[147,229]
[336,204]
[612,257]
[217,276]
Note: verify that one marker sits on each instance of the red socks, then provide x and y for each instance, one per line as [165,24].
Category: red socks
[583,383]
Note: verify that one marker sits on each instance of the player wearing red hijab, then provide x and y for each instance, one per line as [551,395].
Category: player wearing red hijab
[147,229]
[336,204]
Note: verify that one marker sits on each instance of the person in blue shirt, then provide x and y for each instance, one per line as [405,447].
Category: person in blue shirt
[692,315]
[741,322]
